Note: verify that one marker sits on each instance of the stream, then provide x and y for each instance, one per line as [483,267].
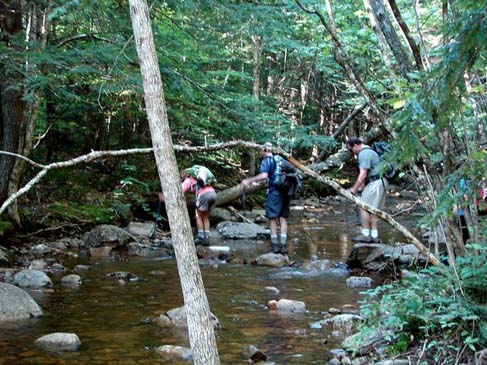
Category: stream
[107,316]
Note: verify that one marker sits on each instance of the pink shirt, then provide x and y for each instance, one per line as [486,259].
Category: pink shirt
[189,184]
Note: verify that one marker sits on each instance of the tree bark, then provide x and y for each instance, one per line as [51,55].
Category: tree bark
[257,58]
[386,27]
[201,333]
[11,105]
[413,46]
[380,36]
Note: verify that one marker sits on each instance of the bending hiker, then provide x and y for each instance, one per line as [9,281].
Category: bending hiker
[199,180]
[372,187]
[277,203]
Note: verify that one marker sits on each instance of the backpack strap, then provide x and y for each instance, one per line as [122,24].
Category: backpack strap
[272,169]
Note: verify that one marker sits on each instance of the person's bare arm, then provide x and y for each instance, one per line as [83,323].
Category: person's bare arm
[246,182]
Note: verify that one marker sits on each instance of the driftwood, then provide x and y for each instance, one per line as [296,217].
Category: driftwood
[237,214]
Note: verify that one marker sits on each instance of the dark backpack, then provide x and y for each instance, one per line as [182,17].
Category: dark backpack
[284,176]
[388,169]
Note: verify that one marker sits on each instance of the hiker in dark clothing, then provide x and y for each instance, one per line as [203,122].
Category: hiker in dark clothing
[277,203]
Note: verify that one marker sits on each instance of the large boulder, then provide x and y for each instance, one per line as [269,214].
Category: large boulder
[237,230]
[16,303]
[107,235]
[32,279]
[71,279]
[343,323]
[359,282]
[222,215]
[148,250]
[144,229]
[376,256]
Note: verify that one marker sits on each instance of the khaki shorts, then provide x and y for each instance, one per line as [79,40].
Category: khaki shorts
[374,193]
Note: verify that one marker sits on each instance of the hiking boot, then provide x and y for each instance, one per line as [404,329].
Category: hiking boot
[374,239]
[283,249]
[275,248]
[203,241]
[362,238]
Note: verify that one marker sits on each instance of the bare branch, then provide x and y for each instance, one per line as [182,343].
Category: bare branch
[90,37]
[22,157]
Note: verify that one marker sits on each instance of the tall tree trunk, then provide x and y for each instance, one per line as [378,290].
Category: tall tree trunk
[36,34]
[201,333]
[386,27]
[257,55]
[380,36]
[413,46]
[11,105]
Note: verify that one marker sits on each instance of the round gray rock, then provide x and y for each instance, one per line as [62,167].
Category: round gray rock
[32,279]
[59,341]
[16,303]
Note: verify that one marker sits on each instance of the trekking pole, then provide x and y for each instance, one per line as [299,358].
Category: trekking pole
[154,229]
[243,197]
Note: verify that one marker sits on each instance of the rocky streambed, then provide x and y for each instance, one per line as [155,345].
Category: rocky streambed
[118,292]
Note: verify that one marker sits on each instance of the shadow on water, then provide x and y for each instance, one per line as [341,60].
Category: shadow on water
[107,315]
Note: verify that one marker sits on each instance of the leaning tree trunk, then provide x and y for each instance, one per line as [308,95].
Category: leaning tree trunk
[201,333]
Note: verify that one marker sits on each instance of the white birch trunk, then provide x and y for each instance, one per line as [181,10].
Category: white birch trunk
[201,334]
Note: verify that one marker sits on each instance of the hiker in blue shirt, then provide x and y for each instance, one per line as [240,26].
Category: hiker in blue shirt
[371,187]
[277,203]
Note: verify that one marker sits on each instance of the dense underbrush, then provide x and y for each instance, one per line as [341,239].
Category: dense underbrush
[436,316]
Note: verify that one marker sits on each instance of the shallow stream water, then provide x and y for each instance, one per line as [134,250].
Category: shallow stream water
[106,315]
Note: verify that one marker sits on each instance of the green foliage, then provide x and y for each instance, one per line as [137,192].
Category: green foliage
[75,212]
[5,227]
[434,304]
[133,191]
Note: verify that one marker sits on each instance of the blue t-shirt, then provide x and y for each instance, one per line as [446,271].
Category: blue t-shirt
[269,165]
